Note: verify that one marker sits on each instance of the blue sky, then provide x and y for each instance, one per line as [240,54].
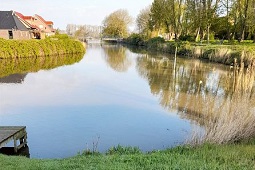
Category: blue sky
[63,12]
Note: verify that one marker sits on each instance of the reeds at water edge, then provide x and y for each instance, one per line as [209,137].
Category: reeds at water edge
[233,120]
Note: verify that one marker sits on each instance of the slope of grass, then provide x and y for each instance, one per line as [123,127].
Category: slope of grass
[239,156]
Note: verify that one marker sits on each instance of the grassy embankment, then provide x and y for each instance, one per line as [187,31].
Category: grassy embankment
[240,156]
[224,53]
[54,45]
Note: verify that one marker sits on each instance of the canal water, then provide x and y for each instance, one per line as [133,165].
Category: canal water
[112,96]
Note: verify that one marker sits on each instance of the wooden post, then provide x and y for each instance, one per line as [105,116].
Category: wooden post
[15,133]
[15,146]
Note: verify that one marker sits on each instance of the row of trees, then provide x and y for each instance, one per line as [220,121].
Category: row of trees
[200,19]
[83,31]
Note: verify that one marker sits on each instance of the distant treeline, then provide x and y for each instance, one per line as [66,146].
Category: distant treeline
[54,45]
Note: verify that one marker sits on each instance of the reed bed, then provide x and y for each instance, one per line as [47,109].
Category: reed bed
[232,120]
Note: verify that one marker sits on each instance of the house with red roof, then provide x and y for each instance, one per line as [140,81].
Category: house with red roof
[14,25]
[41,27]
[12,28]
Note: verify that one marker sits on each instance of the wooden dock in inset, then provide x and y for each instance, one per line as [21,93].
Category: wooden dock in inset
[15,133]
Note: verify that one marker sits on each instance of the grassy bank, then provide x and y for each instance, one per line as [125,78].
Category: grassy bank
[221,53]
[54,45]
[240,156]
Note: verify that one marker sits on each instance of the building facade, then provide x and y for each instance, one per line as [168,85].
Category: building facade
[12,28]
[14,25]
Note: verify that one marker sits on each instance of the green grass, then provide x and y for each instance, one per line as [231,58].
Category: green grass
[239,156]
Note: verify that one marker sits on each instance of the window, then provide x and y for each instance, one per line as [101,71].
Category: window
[10,34]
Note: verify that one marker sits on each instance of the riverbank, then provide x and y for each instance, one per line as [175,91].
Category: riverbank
[54,45]
[233,156]
[224,53]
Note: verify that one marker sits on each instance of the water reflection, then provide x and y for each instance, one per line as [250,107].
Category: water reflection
[195,89]
[14,70]
[116,57]
[14,78]
[24,151]
[143,102]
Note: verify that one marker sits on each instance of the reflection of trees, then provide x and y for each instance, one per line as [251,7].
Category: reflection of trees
[194,89]
[25,65]
[166,83]
[117,58]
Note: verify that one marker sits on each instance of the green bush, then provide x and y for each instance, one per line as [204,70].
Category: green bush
[59,36]
[135,39]
[156,40]
[54,45]
[155,43]
[190,38]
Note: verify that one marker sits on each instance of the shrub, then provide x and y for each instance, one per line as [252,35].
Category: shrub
[155,43]
[187,38]
[54,45]
[136,39]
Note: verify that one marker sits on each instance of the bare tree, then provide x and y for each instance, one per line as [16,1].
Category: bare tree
[142,20]
[82,33]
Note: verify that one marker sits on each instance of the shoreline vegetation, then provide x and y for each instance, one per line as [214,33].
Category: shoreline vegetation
[206,156]
[217,51]
[54,45]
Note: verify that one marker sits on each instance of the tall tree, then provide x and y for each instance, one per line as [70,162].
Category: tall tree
[175,16]
[210,8]
[198,18]
[158,15]
[195,17]
[226,7]
[241,17]
[116,24]
[142,20]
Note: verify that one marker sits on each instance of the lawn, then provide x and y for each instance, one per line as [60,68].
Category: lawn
[207,156]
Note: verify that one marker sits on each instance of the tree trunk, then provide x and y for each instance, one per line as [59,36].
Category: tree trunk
[253,20]
[244,20]
[208,34]
[228,26]
[198,34]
